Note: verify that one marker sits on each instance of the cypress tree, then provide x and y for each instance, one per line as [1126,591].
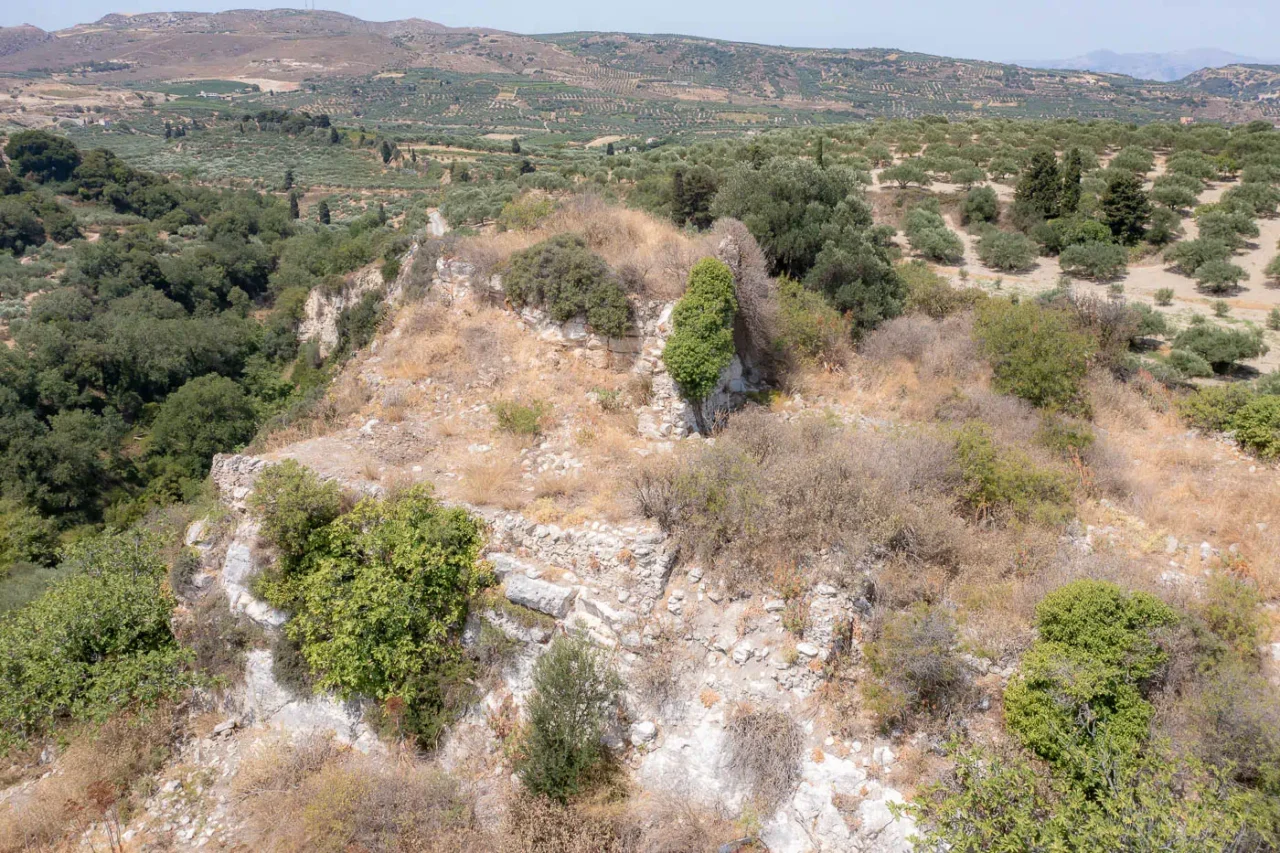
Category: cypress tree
[1040,188]
[322,212]
[293,205]
[288,179]
[678,214]
[608,150]
[334,138]
[515,146]
[1072,168]
[1125,207]
[386,151]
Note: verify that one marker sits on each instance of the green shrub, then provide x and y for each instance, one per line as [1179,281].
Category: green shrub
[292,503]
[1190,364]
[1221,347]
[1212,407]
[518,418]
[377,599]
[1036,353]
[931,294]
[808,325]
[701,341]
[575,692]
[1257,426]
[915,665]
[93,644]
[1273,320]
[1006,251]
[1077,700]
[1161,801]
[209,414]
[856,275]
[1219,276]
[928,234]
[1272,271]
[1164,296]
[980,204]
[1150,321]
[1094,260]
[1001,482]
[358,323]
[1057,234]
[566,279]
[1189,255]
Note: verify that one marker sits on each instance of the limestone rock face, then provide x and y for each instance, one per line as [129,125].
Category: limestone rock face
[549,598]
[320,314]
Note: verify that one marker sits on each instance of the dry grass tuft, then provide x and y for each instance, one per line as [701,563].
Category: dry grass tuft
[493,479]
[652,256]
[100,778]
[315,796]
[765,748]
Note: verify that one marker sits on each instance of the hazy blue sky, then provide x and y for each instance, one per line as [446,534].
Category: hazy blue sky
[988,29]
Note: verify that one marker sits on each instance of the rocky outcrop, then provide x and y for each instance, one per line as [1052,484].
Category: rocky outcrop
[323,308]
[264,701]
[549,598]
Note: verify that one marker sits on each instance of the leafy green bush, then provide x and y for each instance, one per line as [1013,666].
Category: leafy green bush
[857,277]
[794,208]
[1164,296]
[1058,234]
[566,279]
[931,294]
[1221,347]
[1161,801]
[1212,407]
[1219,276]
[979,205]
[575,691]
[1077,700]
[93,644]
[1036,353]
[1190,364]
[41,155]
[701,341]
[376,600]
[1001,482]
[1257,426]
[928,234]
[292,503]
[808,325]
[209,414]
[1007,251]
[1188,256]
[518,418]
[1272,271]
[1094,260]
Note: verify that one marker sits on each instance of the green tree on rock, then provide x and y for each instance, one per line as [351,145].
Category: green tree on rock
[701,342]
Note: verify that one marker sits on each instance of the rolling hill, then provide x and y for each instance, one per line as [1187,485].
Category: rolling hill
[282,49]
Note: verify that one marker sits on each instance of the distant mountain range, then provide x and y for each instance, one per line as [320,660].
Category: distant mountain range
[656,78]
[1165,67]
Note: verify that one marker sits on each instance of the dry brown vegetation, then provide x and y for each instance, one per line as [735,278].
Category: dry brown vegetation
[314,795]
[764,751]
[651,257]
[99,779]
